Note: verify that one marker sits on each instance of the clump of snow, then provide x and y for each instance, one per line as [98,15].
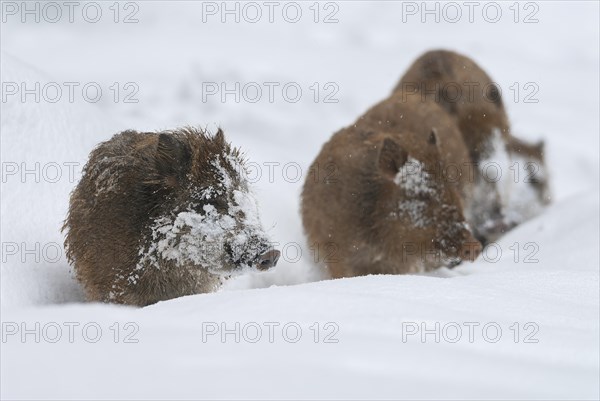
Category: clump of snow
[524,201]
[496,167]
[416,183]
[415,210]
[507,180]
[414,179]
[190,238]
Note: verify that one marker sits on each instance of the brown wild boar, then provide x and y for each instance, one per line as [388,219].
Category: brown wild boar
[157,216]
[462,88]
[385,205]
[466,91]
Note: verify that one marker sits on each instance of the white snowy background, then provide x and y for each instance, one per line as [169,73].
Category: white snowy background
[168,54]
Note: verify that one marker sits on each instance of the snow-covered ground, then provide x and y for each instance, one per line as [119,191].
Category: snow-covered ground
[541,292]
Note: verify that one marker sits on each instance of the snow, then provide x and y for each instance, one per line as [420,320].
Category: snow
[496,168]
[416,183]
[522,201]
[543,275]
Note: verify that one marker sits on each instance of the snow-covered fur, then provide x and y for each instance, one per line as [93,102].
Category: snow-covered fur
[511,186]
[162,215]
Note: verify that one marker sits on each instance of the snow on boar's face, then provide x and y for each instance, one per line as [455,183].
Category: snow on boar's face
[205,215]
[423,205]
[535,186]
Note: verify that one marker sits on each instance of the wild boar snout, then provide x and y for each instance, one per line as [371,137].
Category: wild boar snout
[268,259]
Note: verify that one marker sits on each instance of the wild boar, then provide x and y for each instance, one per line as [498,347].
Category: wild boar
[469,95]
[464,90]
[161,215]
[378,199]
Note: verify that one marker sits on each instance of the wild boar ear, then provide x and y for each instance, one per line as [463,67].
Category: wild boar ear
[172,158]
[220,136]
[391,158]
[539,147]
